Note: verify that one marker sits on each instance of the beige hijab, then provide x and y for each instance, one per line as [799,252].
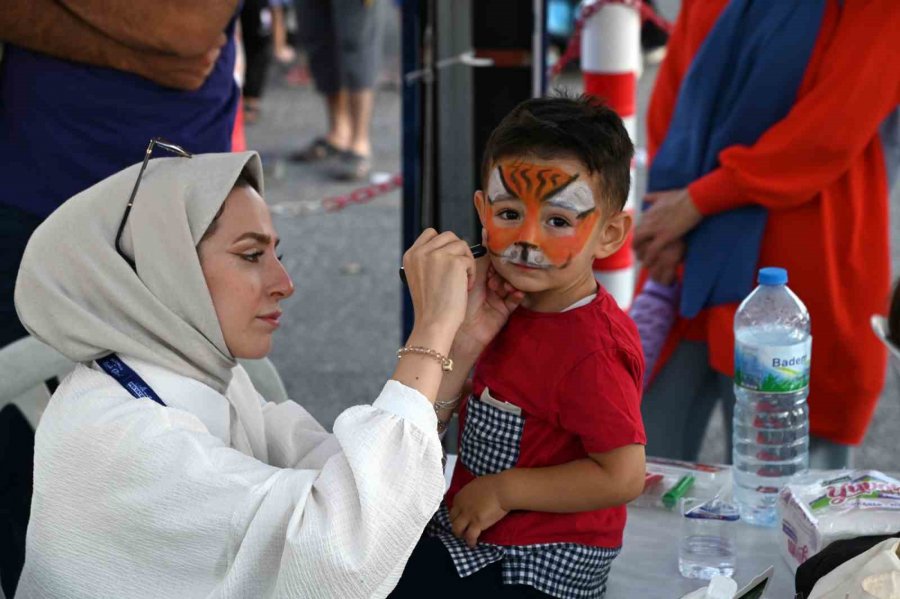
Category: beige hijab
[78,295]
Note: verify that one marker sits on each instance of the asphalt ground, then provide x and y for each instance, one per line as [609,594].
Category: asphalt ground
[341,328]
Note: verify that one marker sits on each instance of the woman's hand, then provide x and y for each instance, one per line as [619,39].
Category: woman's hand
[663,267]
[439,271]
[671,216]
[476,508]
[491,301]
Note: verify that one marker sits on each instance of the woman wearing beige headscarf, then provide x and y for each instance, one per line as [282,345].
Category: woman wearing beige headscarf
[159,470]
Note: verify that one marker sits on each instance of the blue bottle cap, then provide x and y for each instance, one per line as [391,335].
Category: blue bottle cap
[772,275]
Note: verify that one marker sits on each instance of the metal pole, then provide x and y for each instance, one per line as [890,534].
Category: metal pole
[412,115]
[610,63]
[428,81]
[539,50]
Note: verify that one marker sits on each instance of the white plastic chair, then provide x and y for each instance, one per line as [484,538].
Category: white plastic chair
[26,365]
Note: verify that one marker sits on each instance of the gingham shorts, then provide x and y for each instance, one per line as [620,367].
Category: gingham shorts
[564,570]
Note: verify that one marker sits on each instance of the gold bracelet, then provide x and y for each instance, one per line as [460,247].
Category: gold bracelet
[446,363]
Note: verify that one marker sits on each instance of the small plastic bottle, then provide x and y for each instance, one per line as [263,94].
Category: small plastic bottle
[708,538]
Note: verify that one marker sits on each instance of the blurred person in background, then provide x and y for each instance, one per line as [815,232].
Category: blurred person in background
[799,180]
[282,21]
[256,37]
[343,44]
[84,84]
[264,35]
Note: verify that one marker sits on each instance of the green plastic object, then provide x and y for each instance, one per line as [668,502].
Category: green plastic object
[670,498]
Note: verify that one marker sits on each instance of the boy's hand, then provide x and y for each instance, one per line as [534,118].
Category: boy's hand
[476,508]
[491,301]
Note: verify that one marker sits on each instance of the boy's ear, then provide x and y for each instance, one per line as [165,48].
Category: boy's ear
[613,235]
[480,205]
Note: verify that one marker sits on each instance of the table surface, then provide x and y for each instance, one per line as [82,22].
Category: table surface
[648,565]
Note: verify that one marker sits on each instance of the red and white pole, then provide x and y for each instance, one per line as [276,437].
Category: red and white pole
[610,65]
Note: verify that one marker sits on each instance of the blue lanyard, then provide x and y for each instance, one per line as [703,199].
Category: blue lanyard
[128,378]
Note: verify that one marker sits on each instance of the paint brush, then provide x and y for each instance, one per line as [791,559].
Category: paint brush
[477,250]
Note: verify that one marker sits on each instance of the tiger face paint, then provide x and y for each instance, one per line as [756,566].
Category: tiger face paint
[537,216]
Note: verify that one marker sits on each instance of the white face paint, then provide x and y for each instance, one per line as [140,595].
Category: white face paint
[576,197]
[525,255]
[495,187]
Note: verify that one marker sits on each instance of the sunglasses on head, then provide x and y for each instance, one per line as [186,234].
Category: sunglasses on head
[156,141]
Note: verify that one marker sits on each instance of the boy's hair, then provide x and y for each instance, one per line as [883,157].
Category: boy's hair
[582,127]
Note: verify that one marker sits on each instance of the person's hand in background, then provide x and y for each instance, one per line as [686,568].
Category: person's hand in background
[671,216]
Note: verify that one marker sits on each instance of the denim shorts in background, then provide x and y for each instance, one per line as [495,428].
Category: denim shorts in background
[342,39]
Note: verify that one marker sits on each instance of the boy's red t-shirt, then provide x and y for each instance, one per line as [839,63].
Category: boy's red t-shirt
[576,377]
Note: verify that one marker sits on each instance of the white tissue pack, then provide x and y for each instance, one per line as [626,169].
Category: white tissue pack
[851,504]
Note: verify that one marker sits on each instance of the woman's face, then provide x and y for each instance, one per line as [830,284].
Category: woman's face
[243,273]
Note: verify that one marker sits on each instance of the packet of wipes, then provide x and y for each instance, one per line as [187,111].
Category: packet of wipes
[854,503]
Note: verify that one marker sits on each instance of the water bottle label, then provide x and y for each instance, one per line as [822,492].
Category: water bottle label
[772,368]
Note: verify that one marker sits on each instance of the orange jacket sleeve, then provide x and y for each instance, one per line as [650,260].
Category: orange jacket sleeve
[850,88]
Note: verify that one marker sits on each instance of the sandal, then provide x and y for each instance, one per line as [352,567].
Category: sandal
[352,166]
[319,149]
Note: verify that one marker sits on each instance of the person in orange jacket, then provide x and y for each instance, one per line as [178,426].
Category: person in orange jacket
[822,174]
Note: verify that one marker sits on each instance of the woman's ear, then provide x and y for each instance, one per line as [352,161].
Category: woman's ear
[480,205]
[613,234]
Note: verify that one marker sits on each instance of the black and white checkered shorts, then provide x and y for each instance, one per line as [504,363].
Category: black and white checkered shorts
[564,570]
[490,438]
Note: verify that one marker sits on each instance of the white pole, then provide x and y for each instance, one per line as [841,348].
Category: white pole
[610,66]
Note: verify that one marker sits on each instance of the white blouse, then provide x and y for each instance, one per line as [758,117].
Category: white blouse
[224,496]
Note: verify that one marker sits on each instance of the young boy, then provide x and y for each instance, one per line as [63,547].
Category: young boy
[551,442]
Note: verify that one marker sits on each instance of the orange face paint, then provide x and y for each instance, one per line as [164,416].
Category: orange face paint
[537,216]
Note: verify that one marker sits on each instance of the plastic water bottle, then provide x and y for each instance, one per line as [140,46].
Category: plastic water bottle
[708,538]
[771,381]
